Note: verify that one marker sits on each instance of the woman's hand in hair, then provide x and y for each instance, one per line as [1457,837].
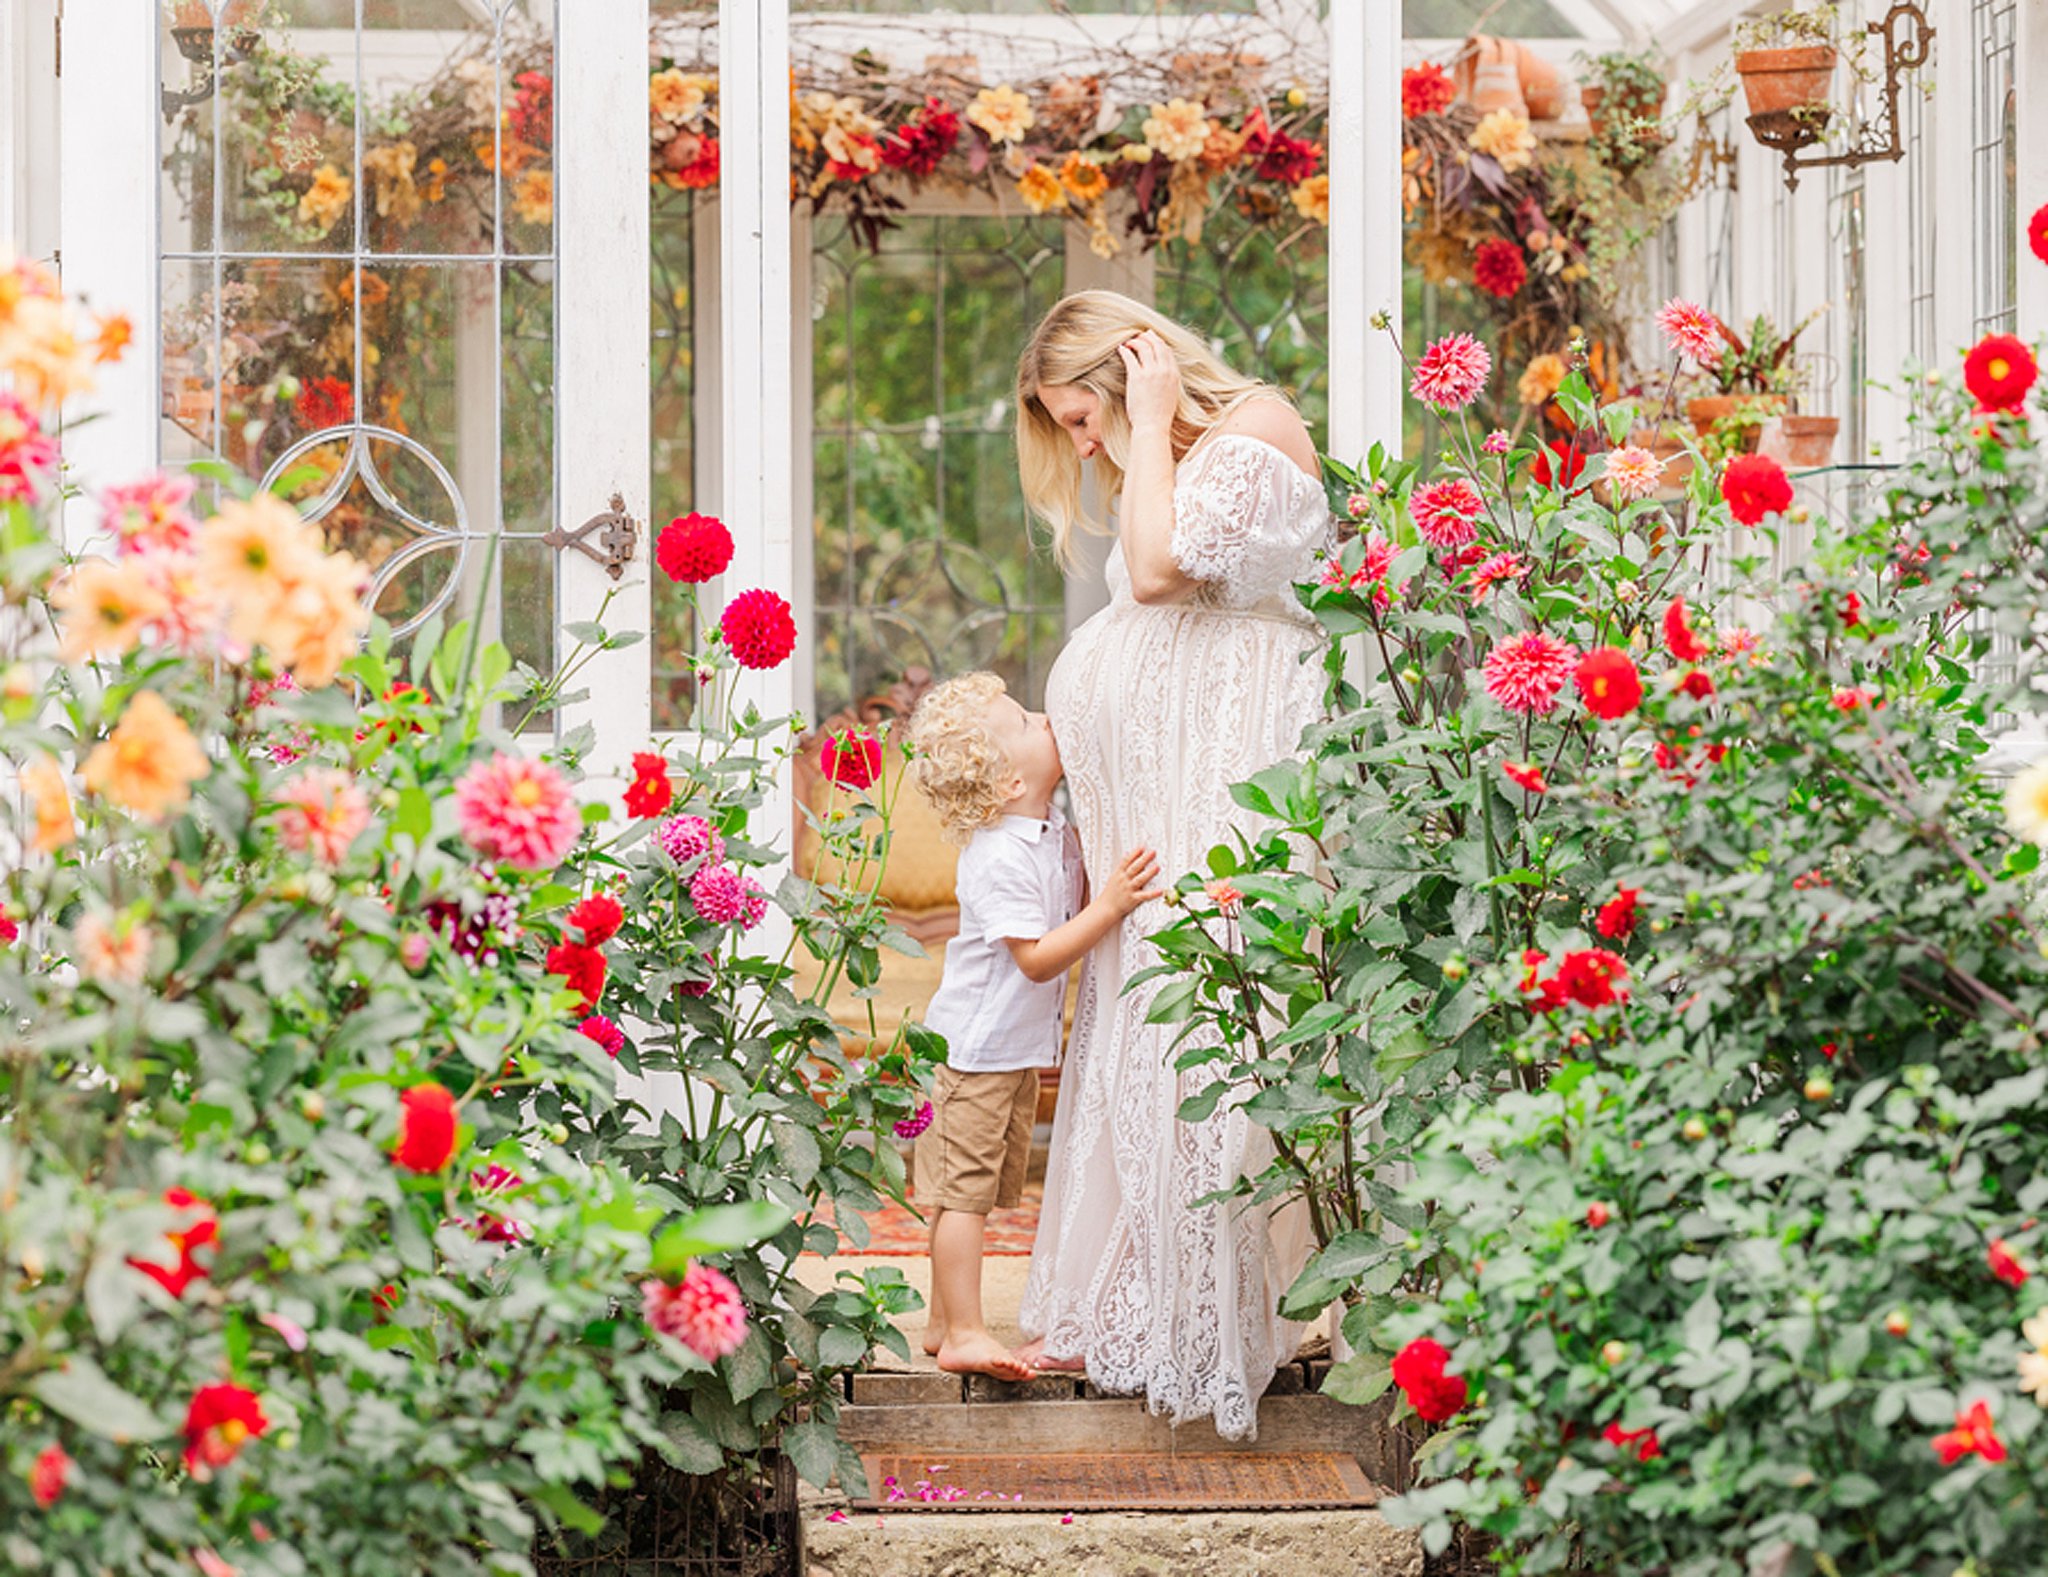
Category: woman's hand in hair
[1151,383]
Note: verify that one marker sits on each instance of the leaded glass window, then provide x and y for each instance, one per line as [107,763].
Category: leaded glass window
[1995,163]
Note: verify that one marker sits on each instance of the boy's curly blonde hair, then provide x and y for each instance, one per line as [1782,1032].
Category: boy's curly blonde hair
[955,760]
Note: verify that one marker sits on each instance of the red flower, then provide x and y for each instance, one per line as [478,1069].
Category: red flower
[1617,917]
[10,933]
[2005,1264]
[426,1128]
[650,791]
[920,144]
[1446,513]
[175,1278]
[1691,330]
[1593,977]
[1621,1439]
[704,1311]
[598,917]
[607,1034]
[1697,684]
[532,111]
[1851,610]
[325,402]
[220,1421]
[2037,232]
[1497,570]
[1526,775]
[46,1477]
[1498,268]
[1426,89]
[1849,698]
[758,629]
[702,169]
[582,967]
[1571,460]
[1999,371]
[1609,683]
[1419,1371]
[1974,1435]
[693,548]
[1288,160]
[1755,485]
[853,759]
[1598,1215]
[1686,646]
[1550,995]
[1525,672]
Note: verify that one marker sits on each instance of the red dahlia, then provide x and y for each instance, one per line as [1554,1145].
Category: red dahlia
[1525,775]
[607,1034]
[1622,1439]
[1451,373]
[758,629]
[1608,682]
[326,402]
[650,791]
[203,1232]
[1446,513]
[1598,1215]
[220,1421]
[693,548]
[1498,268]
[1999,371]
[1698,684]
[1593,977]
[582,967]
[1570,461]
[46,1477]
[1754,486]
[1617,917]
[1974,1435]
[2037,232]
[1426,89]
[922,143]
[1685,645]
[426,1128]
[598,917]
[2005,1264]
[1418,1370]
[852,759]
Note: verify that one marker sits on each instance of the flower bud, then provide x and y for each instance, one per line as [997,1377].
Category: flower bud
[1898,1323]
[1819,1088]
[32,1262]
[1613,1353]
[1694,1130]
[257,1154]
[1411,676]
[1627,591]
[312,1106]
[558,1133]
[20,682]
[1455,967]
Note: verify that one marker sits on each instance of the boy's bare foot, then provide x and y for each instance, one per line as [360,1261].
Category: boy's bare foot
[934,1339]
[982,1354]
[1033,1353]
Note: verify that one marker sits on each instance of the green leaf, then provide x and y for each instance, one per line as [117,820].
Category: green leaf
[414,817]
[841,1347]
[718,1230]
[1359,1379]
[693,1449]
[1174,1003]
[748,1367]
[813,1450]
[1197,1107]
[562,1501]
[82,1393]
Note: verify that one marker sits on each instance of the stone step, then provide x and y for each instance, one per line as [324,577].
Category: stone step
[1286,1423]
[1108,1544]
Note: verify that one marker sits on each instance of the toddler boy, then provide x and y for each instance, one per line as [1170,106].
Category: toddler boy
[989,769]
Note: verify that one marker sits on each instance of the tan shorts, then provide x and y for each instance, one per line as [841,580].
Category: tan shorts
[972,1157]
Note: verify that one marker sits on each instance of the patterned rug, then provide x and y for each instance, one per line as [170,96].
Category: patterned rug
[894,1230]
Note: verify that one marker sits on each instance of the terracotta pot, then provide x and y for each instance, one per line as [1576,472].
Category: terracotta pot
[1810,440]
[1780,80]
[1629,106]
[1708,409]
[1488,76]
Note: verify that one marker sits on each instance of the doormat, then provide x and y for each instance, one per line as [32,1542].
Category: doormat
[1118,1481]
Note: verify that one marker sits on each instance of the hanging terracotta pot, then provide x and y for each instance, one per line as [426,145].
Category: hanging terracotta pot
[1777,81]
[1810,440]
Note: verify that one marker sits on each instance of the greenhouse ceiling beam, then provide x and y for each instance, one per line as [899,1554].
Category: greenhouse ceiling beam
[1702,24]
[1601,20]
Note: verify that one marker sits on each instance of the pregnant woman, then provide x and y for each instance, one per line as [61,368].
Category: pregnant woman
[1197,675]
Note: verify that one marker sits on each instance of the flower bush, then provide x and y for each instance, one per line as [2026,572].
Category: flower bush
[313,1254]
[1803,1331]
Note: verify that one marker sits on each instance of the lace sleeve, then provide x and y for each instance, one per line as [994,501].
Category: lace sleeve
[1240,518]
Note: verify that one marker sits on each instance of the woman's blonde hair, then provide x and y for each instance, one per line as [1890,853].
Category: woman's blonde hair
[955,760]
[1075,346]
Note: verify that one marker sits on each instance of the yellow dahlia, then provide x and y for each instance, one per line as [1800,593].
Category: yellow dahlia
[102,606]
[1003,113]
[1312,199]
[1083,177]
[326,200]
[1541,379]
[149,763]
[1041,189]
[1507,137]
[1178,129]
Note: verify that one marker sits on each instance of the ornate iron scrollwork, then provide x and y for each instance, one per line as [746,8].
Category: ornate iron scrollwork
[1791,131]
[618,537]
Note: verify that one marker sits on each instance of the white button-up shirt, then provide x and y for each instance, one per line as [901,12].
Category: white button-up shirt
[1021,878]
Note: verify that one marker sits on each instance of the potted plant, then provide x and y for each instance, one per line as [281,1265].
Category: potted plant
[1754,374]
[1786,62]
[1809,440]
[1621,90]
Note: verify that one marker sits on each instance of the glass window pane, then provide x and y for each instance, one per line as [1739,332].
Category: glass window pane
[672,361]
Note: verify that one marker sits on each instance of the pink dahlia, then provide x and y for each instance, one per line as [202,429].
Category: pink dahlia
[1633,473]
[518,811]
[718,895]
[1495,442]
[1451,373]
[1498,570]
[1525,672]
[150,514]
[704,1313]
[322,811]
[753,903]
[28,455]
[607,1034]
[1446,513]
[685,838]
[494,1179]
[916,1123]
[1691,330]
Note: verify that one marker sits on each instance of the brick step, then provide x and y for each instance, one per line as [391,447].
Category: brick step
[929,1387]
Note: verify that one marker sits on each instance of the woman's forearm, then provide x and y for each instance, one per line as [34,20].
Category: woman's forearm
[1145,519]
[1054,953]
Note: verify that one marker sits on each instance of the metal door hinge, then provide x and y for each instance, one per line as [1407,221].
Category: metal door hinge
[618,537]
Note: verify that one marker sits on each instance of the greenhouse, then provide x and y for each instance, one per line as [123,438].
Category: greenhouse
[835,787]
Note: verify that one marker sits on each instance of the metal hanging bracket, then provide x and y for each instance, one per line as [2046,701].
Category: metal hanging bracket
[618,537]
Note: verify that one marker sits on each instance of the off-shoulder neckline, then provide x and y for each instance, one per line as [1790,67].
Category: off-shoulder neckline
[1208,440]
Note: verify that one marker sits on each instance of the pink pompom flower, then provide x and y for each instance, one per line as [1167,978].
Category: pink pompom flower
[1451,373]
[718,895]
[518,811]
[322,810]
[1495,442]
[1691,330]
[28,455]
[1525,673]
[704,1311]
[687,838]
[916,1123]
[753,903]
[607,1034]
[1446,513]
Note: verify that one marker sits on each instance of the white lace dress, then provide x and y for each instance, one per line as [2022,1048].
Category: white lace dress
[1158,710]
